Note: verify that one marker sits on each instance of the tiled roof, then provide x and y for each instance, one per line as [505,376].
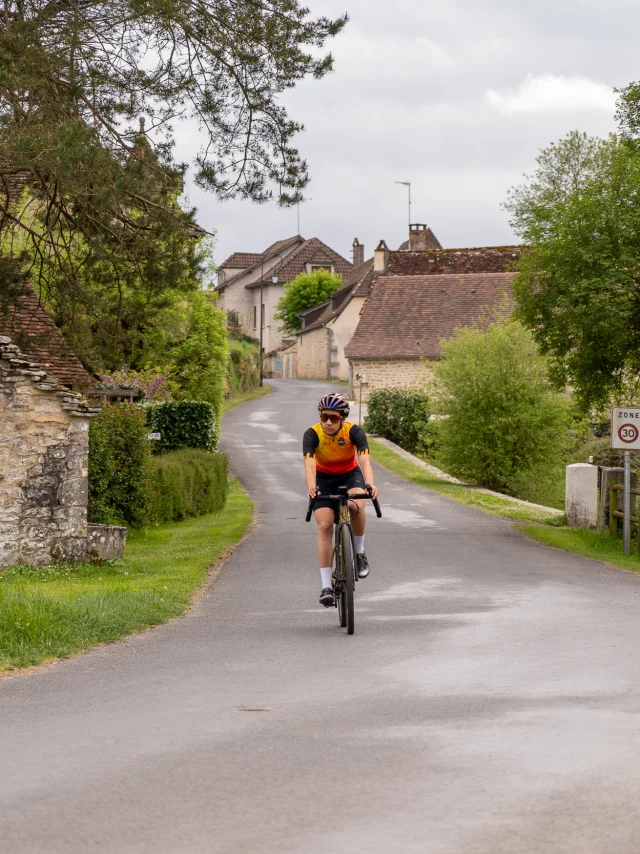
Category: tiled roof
[357,283]
[31,327]
[242,260]
[430,241]
[267,255]
[492,259]
[407,316]
[312,251]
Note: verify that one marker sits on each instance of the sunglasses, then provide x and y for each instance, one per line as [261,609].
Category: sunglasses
[327,416]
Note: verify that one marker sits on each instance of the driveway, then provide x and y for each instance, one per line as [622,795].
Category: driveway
[487,703]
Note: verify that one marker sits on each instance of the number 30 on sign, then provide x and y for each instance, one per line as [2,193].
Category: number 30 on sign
[625,428]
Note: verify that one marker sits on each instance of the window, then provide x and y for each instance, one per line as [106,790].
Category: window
[263,315]
[315,268]
[255,316]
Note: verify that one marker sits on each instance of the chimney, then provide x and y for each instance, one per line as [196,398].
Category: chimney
[381,257]
[422,238]
[357,252]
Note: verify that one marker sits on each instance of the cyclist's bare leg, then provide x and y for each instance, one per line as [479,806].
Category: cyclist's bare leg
[324,519]
[358,516]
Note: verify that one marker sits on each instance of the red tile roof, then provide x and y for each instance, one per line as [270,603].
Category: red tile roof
[31,327]
[242,260]
[312,251]
[407,316]
[491,259]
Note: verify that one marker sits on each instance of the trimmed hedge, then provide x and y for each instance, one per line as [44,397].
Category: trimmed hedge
[402,416]
[187,424]
[188,483]
[119,473]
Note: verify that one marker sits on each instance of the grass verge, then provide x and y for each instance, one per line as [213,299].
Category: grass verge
[245,396]
[599,545]
[458,492]
[53,612]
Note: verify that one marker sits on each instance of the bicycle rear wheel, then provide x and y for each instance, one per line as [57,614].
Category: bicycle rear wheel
[348,573]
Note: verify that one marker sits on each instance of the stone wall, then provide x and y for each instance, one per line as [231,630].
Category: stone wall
[391,373]
[312,354]
[43,464]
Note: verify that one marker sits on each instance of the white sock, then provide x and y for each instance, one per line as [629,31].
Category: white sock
[325,572]
[359,544]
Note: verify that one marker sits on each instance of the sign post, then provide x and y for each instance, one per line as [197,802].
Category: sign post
[625,436]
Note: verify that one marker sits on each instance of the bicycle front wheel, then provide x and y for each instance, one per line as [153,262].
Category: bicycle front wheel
[339,586]
[348,574]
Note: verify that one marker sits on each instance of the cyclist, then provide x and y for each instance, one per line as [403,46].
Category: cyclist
[330,461]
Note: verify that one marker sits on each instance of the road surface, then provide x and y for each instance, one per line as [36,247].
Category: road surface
[487,703]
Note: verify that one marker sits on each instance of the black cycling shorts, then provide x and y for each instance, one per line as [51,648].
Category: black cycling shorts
[328,485]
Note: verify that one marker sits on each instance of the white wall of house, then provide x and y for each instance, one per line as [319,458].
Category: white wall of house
[343,328]
[312,354]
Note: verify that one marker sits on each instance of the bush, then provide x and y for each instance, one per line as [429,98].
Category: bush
[119,466]
[243,372]
[189,424]
[502,420]
[402,416]
[188,483]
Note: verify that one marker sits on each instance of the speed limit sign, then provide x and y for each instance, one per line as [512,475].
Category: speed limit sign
[625,428]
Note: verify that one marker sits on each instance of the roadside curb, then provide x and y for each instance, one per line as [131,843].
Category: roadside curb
[441,475]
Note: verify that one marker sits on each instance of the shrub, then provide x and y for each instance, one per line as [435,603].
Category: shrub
[502,419]
[119,466]
[402,416]
[305,291]
[188,424]
[243,372]
[188,483]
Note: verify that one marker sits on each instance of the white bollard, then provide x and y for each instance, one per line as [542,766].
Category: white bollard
[581,495]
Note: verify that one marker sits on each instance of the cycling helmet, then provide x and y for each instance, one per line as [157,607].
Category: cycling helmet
[334,402]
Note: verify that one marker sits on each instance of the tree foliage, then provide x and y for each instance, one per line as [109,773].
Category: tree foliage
[100,213]
[402,416]
[502,420]
[306,290]
[578,289]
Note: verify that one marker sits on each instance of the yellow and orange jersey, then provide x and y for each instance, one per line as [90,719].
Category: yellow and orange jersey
[335,454]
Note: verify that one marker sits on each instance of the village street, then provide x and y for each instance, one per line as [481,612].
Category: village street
[488,702]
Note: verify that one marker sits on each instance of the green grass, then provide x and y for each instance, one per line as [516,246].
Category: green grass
[599,545]
[245,396]
[388,459]
[53,612]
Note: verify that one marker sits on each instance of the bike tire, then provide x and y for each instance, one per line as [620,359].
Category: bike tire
[348,568]
[340,591]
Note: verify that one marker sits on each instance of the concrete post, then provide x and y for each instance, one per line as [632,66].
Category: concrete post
[581,496]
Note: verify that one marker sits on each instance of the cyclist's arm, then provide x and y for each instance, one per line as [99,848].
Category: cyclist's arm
[359,439]
[310,442]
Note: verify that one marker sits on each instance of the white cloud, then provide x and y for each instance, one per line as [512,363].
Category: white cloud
[549,93]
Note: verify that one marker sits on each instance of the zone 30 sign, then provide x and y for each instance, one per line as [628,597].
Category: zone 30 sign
[625,428]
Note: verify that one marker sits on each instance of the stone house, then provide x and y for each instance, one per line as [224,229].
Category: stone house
[44,435]
[417,299]
[327,328]
[245,275]
[319,349]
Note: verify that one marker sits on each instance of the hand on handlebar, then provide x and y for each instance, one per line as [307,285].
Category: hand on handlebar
[375,492]
[313,492]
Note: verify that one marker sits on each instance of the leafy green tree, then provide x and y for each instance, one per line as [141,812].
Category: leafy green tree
[199,362]
[502,420]
[578,287]
[305,291]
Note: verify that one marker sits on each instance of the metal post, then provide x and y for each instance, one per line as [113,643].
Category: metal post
[626,522]
[360,413]
[261,319]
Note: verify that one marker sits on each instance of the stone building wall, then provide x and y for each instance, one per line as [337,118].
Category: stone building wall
[391,373]
[312,354]
[43,464]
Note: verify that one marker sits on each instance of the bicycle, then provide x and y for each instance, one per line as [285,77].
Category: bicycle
[344,573]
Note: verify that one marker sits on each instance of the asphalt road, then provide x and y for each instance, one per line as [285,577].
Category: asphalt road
[488,701]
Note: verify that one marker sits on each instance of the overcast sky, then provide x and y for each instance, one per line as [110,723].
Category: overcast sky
[456,97]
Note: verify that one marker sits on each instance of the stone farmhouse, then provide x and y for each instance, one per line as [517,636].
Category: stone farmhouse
[417,299]
[245,275]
